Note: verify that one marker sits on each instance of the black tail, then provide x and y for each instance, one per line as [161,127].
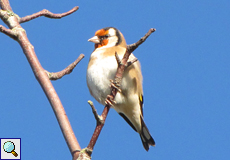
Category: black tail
[146,137]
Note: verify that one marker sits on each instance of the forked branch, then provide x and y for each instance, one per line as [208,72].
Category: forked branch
[16,32]
[122,65]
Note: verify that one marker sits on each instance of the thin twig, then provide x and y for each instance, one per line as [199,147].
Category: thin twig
[117,80]
[67,70]
[131,62]
[133,46]
[12,21]
[47,14]
[5,5]
[117,59]
[97,117]
[112,95]
[8,32]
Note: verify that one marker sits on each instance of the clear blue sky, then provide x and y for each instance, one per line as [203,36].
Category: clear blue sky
[185,64]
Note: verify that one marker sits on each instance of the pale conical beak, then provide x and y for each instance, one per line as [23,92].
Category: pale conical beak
[94,39]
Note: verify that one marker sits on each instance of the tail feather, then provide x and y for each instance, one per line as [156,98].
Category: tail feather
[146,137]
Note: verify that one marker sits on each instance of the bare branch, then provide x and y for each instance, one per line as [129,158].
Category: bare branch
[97,117]
[47,14]
[117,59]
[8,32]
[131,62]
[85,154]
[67,70]
[5,5]
[114,90]
[133,46]
[12,21]
[122,65]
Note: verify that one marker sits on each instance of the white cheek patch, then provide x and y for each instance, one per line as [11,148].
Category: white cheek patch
[113,41]
[112,32]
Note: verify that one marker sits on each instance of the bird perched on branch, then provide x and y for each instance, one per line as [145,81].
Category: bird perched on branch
[102,68]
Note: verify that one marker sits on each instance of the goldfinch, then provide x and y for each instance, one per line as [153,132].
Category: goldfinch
[102,68]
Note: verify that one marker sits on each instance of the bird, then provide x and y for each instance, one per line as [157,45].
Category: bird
[101,70]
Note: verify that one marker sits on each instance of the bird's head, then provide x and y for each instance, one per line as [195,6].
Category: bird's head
[108,37]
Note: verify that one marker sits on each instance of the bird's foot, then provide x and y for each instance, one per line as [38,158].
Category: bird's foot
[115,85]
[109,100]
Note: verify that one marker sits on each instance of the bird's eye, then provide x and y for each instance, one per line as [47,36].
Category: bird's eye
[104,37]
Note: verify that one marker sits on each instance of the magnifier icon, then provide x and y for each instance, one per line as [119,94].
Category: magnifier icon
[9,147]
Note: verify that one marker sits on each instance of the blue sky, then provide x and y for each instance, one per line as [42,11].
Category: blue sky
[185,66]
